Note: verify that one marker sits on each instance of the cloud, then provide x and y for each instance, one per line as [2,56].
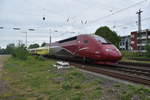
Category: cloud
[29,13]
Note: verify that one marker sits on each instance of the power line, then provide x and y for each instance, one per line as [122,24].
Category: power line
[133,22]
[118,11]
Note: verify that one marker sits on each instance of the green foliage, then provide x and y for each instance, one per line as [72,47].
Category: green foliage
[66,85]
[133,91]
[108,34]
[3,51]
[41,58]
[147,48]
[33,79]
[10,48]
[19,51]
[77,96]
[129,54]
[43,44]
[34,46]
[77,85]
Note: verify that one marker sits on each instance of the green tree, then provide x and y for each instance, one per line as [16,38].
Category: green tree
[147,48]
[108,34]
[18,51]
[3,51]
[43,44]
[34,46]
[10,48]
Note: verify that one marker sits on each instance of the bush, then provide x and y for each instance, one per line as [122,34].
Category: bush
[77,96]
[20,52]
[147,48]
[41,58]
[66,85]
[77,85]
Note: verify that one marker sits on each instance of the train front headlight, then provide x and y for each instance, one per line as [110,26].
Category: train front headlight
[108,50]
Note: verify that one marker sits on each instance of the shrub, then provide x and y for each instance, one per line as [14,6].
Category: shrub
[147,48]
[75,75]
[77,96]
[66,85]
[19,52]
[41,58]
[77,85]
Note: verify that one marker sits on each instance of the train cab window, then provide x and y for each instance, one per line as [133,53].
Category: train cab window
[85,41]
[102,40]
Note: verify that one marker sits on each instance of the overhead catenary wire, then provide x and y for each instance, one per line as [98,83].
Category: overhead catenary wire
[120,10]
[131,23]
[116,12]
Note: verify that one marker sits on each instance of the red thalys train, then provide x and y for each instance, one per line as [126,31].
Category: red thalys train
[83,47]
[88,47]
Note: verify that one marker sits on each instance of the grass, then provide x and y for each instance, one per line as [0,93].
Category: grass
[136,61]
[37,79]
[127,56]
[135,93]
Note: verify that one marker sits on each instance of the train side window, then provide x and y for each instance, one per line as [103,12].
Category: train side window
[85,41]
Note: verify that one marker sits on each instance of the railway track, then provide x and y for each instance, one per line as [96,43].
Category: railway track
[129,72]
[134,74]
[142,71]
[135,64]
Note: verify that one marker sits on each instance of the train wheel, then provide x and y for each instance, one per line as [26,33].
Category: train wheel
[86,60]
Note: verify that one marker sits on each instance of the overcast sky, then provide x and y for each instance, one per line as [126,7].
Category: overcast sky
[63,18]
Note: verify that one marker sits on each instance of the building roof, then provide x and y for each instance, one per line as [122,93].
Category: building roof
[141,31]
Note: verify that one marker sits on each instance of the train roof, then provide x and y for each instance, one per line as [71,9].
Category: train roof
[82,35]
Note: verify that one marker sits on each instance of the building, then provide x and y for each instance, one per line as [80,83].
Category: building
[139,41]
[125,43]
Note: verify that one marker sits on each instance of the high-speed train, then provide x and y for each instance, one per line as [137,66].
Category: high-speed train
[86,46]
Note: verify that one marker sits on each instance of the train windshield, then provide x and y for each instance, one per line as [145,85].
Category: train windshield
[102,40]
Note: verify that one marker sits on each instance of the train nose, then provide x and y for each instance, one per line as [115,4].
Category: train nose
[113,54]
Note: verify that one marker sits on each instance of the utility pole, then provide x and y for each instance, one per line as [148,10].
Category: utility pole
[139,28]
[49,40]
[26,39]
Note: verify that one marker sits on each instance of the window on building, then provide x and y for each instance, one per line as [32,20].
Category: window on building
[122,43]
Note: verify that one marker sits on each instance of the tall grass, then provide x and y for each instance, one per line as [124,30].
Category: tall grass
[129,54]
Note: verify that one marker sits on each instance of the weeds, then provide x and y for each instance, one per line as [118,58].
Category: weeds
[34,78]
